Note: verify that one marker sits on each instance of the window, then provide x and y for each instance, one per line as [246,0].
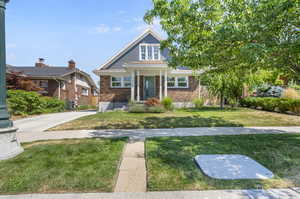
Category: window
[178,82]
[116,82]
[143,53]
[127,82]
[44,84]
[84,91]
[171,82]
[149,52]
[156,53]
[120,82]
[182,82]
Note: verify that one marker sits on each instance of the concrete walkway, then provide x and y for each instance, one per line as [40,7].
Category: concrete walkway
[132,172]
[218,194]
[41,123]
[141,134]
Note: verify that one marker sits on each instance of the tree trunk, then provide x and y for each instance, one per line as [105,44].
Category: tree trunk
[222,100]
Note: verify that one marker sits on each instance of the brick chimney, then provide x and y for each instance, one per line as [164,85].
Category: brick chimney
[40,63]
[72,64]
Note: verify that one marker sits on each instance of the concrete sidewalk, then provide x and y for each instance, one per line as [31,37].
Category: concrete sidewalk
[141,134]
[218,194]
[41,123]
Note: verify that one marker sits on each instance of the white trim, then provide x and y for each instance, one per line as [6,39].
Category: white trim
[147,53]
[160,85]
[176,82]
[138,86]
[132,85]
[166,83]
[128,46]
[122,81]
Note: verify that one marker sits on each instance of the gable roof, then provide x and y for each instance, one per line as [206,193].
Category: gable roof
[128,47]
[41,72]
[49,72]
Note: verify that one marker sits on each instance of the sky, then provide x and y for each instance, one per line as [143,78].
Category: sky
[87,31]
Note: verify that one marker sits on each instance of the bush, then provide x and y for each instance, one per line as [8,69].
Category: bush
[272,104]
[291,93]
[140,108]
[167,103]
[152,102]
[137,108]
[28,103]
[85,107]
[198,103]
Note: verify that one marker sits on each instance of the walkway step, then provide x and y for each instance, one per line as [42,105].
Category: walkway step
[132,172]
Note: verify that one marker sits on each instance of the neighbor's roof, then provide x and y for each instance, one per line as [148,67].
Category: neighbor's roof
[48,72]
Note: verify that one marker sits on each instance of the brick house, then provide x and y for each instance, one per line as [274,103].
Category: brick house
[65,83]
[140,71]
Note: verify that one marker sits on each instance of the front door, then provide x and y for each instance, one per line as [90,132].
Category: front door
[149,87]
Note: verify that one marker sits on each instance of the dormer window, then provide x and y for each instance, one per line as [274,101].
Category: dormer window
[149,52]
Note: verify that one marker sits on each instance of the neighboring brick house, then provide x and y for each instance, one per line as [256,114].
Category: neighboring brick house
[65,83]
[140,71]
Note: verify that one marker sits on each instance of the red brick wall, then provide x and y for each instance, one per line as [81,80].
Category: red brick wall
[185,94]
[108,94]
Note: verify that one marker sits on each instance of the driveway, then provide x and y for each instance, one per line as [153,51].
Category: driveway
[44,122]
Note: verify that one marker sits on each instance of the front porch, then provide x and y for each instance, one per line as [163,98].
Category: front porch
[147,84]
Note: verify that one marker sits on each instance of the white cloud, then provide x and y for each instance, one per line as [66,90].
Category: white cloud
[11,45]
[117,29]
[121,12]
[102,28]
[142,26]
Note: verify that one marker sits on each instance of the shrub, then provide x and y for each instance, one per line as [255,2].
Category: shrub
[156,109]
[85,107]
[152,102]
[272,104]
[167,103]
[141,108]
[137,108]
[28,103]
[198,103]
[291,93]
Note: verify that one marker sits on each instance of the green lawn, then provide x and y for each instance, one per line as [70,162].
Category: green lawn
[206,117]
[85,165]
[170,163]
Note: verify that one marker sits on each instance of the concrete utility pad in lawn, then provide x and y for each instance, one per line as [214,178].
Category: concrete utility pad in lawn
[232,167]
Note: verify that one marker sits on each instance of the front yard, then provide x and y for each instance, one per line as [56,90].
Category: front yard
[205,117]
[170,163]
[86,165]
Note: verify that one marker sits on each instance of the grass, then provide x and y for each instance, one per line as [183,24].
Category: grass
[170,163]
[205,117]
[86,165]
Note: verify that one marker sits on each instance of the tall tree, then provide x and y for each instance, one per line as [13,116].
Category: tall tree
[224,34]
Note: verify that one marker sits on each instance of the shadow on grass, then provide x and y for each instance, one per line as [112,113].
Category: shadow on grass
[188,121]
[173,157]
[211,109]
[170,122]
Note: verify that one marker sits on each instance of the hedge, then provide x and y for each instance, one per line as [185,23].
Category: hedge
[28,103]
[272,104]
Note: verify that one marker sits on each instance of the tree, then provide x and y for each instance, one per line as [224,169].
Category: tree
[17,80]
[226,34]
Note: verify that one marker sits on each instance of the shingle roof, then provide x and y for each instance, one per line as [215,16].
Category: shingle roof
[42,72]
[47,72]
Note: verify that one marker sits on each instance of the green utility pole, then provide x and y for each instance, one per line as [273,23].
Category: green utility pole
[4,116]
[9,145]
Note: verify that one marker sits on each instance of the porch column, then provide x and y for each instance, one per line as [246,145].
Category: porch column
[160,85]
[166,83]
[132,85]
[138,85]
